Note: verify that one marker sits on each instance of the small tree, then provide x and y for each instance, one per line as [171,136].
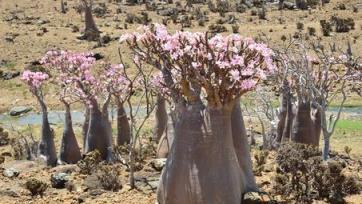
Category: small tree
[75,70]
[91,31]
[35,81]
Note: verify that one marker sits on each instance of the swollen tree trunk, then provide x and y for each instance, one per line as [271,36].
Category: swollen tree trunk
[46,145]
[241,147]
[317,124]
[62,6]
[123,127]
[288,120]
[99,136]
[303,126]
[91,31]
[85,126]
[69,149]
[165,143]
[161,118]
[282,118]
[202,167]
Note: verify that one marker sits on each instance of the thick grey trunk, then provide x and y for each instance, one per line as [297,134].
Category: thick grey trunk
[161,118]
[46,145]
[242,148]
[91,31]
[99,136]
[69,149]
[85,126]
[303,126]
[288,120]
[62,7]
[282,118]
[123,127]
[326,146]
[317,124]
[202,167]
[165,143]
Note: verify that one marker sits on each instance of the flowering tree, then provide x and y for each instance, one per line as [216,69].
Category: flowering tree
[119,86]
[205,78]
[35,81]
[75,72]
[316,81]
[69,149]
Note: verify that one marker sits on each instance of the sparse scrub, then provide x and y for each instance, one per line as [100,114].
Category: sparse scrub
[90,162]
[36,187]
[108,176]
[326,27]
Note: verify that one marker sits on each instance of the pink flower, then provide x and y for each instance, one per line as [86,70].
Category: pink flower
[234,75]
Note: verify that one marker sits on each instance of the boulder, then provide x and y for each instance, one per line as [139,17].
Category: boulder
[158,164]
[11,172]
[59,180]
[16,111]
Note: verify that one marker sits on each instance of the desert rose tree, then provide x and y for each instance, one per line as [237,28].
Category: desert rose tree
[205,78]
[77,72]
[35,81]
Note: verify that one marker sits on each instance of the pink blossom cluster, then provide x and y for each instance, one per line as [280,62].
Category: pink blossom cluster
[74,71]
[114,80]
[34,79]
[224,64]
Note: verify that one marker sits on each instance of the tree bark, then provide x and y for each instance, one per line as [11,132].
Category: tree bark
[202,161]
[85,126]
[326,146]
[161,118]
[165,143]
[123,127]
[303,126]
[69,149]
[46,145]
[99,135]
[282,117]
[242,148]
[91,31]
[288,120]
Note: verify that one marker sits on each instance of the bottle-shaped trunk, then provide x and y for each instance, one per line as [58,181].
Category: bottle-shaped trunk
[99,136]
[91,31]
[287,131]
[123,127]
[303,126]
[161,119]
[202,167]
[69,149]
[282,117]
[242,148]
[165,143]
[46,145]
[85,126]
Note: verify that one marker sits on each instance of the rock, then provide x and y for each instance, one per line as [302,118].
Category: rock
[255,198]
[16,111]
[167,12]
[75,29]
[158,164]
[4,138]
[2,159]
[10,75]
[11,172]
[96,192]
[105,39]
[9,192]
[68,169]
[59,180]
